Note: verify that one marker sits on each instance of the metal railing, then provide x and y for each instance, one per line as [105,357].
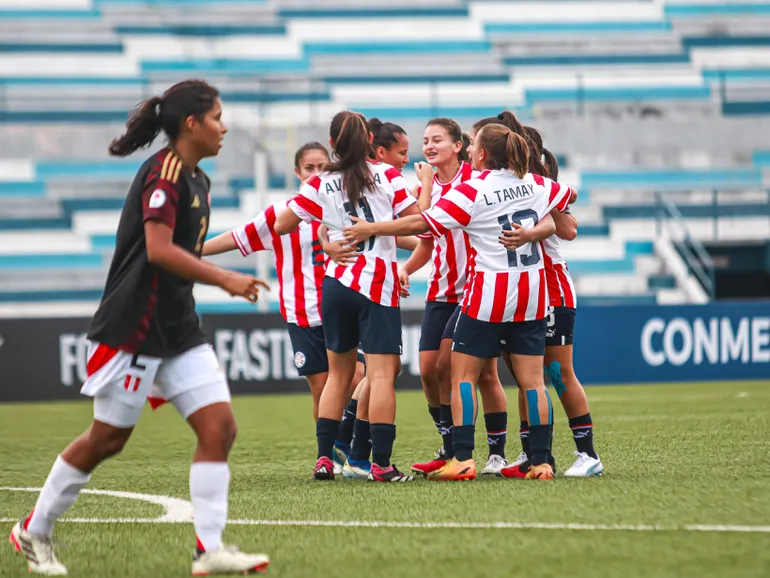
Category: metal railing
[669,219]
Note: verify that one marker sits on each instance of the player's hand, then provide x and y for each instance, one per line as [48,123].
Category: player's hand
[359,232]
[516,238]
[424,171]
[416,191]
[403,278]
[246,286]
[341,252]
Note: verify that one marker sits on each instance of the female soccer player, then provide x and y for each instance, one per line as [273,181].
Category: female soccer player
[444,147]
[361,301]
[300,268]
[146,331]
[505,305]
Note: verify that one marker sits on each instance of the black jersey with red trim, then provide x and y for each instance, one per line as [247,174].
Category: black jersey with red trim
[145,309]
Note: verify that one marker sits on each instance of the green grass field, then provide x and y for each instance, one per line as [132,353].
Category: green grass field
[675,456]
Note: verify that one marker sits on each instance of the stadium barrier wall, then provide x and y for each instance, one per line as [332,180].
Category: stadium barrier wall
[45,359]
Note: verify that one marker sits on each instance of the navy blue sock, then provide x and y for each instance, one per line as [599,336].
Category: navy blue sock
[583,433]
[435,414]
[326,431]
[540,443]
[383,436]
[463,442]
[524,436]
[362,443]
[446,429]
[345,432]
[497,434]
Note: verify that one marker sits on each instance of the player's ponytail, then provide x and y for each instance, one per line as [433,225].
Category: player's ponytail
[463,156]
[535,143]
[350,137]
[551,164]
[165,113]
[503,149]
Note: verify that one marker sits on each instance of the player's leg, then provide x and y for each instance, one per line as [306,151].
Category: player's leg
[443,367]
[475,342]
[344,437]
[495,405]
[561,372]
[381,342]
[310,358]
[119,383]
[525,342]
[358,464]
[523,424]
[195,384]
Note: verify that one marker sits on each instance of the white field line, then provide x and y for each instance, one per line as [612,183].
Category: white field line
[180,512]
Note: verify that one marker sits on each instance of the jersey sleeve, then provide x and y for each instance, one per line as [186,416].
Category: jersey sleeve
[558,194]
[453,211]
[256,235]
[160,195]
[307,204]
[401,197]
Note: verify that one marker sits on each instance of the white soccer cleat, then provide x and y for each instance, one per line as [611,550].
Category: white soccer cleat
[228,560]
[520,460]
[495,463]
[337,469]
[356,470]
[585,467]
[41,558]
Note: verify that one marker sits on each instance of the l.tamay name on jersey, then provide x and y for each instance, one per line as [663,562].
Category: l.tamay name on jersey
[505,285]
[374,274]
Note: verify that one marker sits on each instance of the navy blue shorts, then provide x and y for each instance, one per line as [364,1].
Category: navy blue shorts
[449,329]
[434,322]
[561,326]
[486,340]
[349,318]
[309,345]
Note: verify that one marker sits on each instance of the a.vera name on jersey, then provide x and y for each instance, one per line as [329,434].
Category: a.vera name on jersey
[503,195]
[333,186]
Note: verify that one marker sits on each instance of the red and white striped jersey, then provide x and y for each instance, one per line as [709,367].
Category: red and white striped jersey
[561,289]
[504,285]
[299,263]
[450,251]
[323,198]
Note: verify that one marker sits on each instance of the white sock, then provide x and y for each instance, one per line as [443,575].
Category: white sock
[209,487]
[60,491]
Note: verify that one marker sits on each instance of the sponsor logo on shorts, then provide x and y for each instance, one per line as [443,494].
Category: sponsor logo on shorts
[299,359]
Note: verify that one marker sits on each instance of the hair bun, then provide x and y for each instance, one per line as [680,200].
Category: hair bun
[374,122]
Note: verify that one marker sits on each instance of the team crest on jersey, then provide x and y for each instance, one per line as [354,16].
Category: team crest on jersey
[196,202]
[158,199]
[299,359]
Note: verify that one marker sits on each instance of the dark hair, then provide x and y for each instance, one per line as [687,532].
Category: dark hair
[505,149]
[384,133]
[350,135]
[509,120]
[550,163]
[308,146]
[455,132]
[164,113]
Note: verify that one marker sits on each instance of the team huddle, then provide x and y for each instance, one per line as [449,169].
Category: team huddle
[487,215]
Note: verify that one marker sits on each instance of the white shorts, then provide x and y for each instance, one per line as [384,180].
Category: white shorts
[121,382]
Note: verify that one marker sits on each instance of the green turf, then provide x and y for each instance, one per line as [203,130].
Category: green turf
[674,455]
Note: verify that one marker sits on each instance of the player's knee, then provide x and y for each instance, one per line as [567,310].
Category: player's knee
[554,372]
[104,445]
[218,437]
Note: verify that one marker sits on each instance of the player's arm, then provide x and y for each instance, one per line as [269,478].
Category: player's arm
[163,253]
[425,174]
[420,256]
[220,244]
[340,252]
[566,225]
[407,243]
[304,206]
[519,236]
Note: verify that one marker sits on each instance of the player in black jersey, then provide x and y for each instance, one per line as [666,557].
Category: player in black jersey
[146,339]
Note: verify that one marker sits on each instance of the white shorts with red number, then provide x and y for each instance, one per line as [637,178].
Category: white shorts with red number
[121,383]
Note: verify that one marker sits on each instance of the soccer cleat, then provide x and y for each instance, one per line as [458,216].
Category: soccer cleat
[520,460]
[391,474]
[495,463]
[356,469]
[324,469]
[541,472]
[227,560]
[340,455]
[439,461]
[521,469]
[585,467]
[455,470]
[41,558]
